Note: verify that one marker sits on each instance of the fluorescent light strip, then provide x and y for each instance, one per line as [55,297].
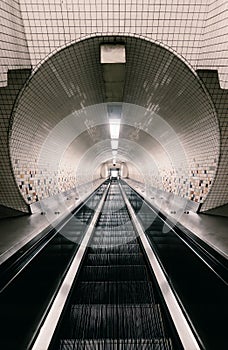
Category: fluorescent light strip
[114,144]
[114,128]
[114,153]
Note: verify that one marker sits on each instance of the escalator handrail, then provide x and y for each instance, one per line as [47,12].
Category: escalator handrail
[40,335]
[186,331]
[216,262]
[13,266]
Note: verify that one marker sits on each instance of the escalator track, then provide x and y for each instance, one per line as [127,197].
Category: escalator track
[114,303]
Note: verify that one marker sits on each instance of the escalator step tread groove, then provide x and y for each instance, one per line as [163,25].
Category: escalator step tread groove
[127,248]
[114,273]
[112,241]
[115,321]
[116,344]
[114,259]
[123,292]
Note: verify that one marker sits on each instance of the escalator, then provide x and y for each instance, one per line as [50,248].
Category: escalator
[114,300]
[199,280]
[29,279]
[114,303]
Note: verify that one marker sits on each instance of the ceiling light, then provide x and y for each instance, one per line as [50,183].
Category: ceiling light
[112,53]
[114,144]
[114,128]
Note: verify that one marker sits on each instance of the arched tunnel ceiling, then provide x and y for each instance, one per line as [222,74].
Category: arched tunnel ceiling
[161,96]
[84,152]
[100,142]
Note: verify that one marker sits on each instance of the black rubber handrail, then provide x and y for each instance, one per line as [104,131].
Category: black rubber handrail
[50,303]
[200,343]
[13,266]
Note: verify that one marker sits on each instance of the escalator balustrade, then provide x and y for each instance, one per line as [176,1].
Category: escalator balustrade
[113,304]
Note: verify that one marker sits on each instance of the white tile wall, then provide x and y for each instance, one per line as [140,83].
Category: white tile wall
[214,43]
[166,100]
[9,193]
[13,43]
[52,24]
[196,30]
[219,192]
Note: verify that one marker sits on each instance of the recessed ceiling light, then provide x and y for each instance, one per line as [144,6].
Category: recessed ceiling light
[114,128]
[113,53]
[114,144]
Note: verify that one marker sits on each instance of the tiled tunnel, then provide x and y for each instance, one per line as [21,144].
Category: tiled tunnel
[88,88]
[59,97]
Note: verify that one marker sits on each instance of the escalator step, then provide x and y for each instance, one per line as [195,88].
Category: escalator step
[114,259]
[114,215]
[108,225]
[116,233]
[123,292]
[114,273]
[115,249]
[114,321]
[126,239]
[113,240]
[116,344]
[111,221]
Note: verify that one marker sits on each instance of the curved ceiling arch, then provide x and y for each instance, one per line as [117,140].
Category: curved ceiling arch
[148,141]
[155,79]
[100,153]
[113,35]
